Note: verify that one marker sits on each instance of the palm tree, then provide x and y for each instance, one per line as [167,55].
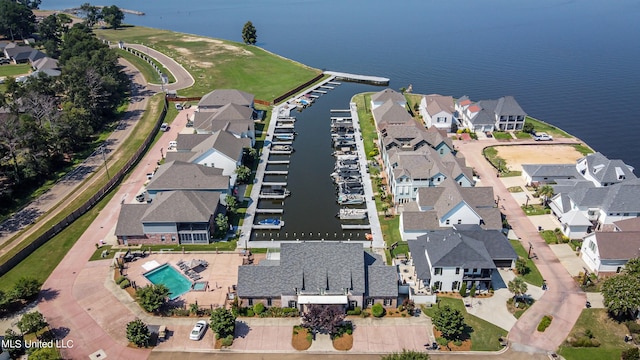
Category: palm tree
[517,287]
[546,192]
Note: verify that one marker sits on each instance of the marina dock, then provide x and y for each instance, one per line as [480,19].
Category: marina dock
[269,211]
[375,80]
[273,184]
[276,172]
[355,227]
[268,227]
[277,162]
[340,110]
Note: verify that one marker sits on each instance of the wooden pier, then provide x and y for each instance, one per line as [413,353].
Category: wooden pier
[276,162]
[269,211]
[268,227]
[375,80]
[319,91]
[340,110]
[276,172]
[274,184]
[355,227]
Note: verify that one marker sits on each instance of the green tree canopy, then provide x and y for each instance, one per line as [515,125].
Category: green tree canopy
[546,192]
[26,288]
[16,20]
[92,14]
[152,297]
[249,35]
[232,203]
[222,225]
[222,322]
[407,355]
[450,322]
[517,287]
[243,172]
[138,333]
[113,16]
[32,322]
[12,337]
[31,4]
[622,294]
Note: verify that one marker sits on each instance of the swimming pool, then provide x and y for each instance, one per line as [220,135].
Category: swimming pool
[171,278]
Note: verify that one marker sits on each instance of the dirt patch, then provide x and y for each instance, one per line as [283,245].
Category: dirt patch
[301,338]
[464,346]
[343,343]
[515,156]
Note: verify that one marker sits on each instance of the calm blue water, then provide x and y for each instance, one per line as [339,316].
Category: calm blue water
[575,64]
[171,278]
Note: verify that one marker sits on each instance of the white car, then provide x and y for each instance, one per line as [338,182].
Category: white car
[164,127]
[198,330]
[542,137]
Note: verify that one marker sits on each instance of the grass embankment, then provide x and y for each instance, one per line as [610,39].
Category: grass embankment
[500,135]
[220,64]
[541,126]
[484,335]
[491,154]
[148,72]
[14,70]
[609,333]
[533,276]
[583,149]
[115,162]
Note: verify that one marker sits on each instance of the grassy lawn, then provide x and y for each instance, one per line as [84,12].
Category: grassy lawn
[484,335]
[522,135]
[515,189]
[541,126]
[533,277]
[97,255]
[149,73]
[217,63]
[607,332]
[583,149]
[550,237]
[367,125]
[122,155]
[535,209]
[501,135]
[14,70]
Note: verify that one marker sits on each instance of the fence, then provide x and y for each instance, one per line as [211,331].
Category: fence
[297,89]
[82,209]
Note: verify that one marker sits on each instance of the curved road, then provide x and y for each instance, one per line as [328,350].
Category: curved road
[563,300]
[182,76]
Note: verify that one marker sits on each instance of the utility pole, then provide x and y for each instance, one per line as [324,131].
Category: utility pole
[103,149]
[530,248]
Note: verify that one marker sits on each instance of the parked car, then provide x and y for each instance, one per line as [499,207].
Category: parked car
[198,330]
[488,134]
[178,106]
[5,61]
[542,137]
[173,144]
[164,127]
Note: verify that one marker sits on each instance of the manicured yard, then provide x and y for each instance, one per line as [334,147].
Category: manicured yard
[550,237]
[367,126]
[535,209]
[501,135]
[607,332]
[14,70]
[522,135]
[215,63]
[484,335]
[533,277]
[541,126]
[583,149]
[515,189]
[491,154]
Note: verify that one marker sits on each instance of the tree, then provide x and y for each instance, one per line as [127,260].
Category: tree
[407,355]
[249,156]
[44,353]
[472,292]
[622,294]
[31,4]
[521,266]
[450,322]
[26,288]
[16,20]
[528,127]
[546,192]
[32,322]
[222,225]
[222,322]
[152,297]
[631,354]
[11,337]
[243,173]
[517,287]
[385,208]
[323,319]
[632,267]
[232,203]
[113,16]
[138,333]
[249,35]
[92,14]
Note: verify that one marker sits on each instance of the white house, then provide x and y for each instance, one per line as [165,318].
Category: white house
[504,114]
[608,251]
[438,111]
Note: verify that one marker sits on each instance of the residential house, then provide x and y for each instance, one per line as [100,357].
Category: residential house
[549,173]
[438,111]
[390,113]
[601,171]
[503,114]
[606,252]
[173,217]
[325,273]
[449,205]
[220,150]
[221,97]
[385,95]
[234,118]
[179,175]
[466,255]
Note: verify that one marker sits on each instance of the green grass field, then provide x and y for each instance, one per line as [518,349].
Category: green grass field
[583,149]
[216,64]
[533,277]
[607,332]
[367,125]
[541,126]
[501,135]
[14,70]
[147,71]
[484,335]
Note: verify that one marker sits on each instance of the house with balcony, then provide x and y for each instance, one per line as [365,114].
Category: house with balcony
[601,171]
[607,252]
[385,95]
[219,150]
[179,175]
[465,255]
[233,118]
[326,273]
[173,217]
[438,111]
[503,114]
[449,205]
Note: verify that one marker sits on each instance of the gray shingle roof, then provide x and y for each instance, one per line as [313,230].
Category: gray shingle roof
[182,206]
[417,249]
[419,220]
[217,119]
[618,245]
[551,170]
[220,97]
[607,171]
[507,105]
[382,281]
[224,142]
[259,281]
[495,242]
[437,103]
[177,175]
[391,113]
[388,94]
[130,220]
[449,248]
[186,142]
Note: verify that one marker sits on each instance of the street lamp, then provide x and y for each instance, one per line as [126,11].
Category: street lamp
[530,248]
[527,202]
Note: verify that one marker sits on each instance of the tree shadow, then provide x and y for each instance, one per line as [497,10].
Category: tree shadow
[48,294]
[242,329]
[60,332]
[466,333]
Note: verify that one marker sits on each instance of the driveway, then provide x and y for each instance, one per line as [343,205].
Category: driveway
[572,262]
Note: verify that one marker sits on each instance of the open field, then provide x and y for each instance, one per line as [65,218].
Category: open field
[14,70]
[216,64]
[515,156]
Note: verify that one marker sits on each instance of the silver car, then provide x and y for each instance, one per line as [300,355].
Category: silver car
[198,330]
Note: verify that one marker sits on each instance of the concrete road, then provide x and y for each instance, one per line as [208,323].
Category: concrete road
[182,76]
[564,300]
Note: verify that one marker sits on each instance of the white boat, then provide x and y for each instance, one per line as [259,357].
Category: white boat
[350,199]
[283,137]
[352,214]
[281,148]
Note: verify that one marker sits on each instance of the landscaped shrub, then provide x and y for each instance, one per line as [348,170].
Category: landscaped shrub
[356,311]
[631,354]
[345,328]
[179,312]
[442,341]
[258,308]
[377,310]
[227,341]
[544,323]
[457,343]
[463,290]
[125,284]
[584,341]
[120,279]
[633,327]
[472,292]
[250,313]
